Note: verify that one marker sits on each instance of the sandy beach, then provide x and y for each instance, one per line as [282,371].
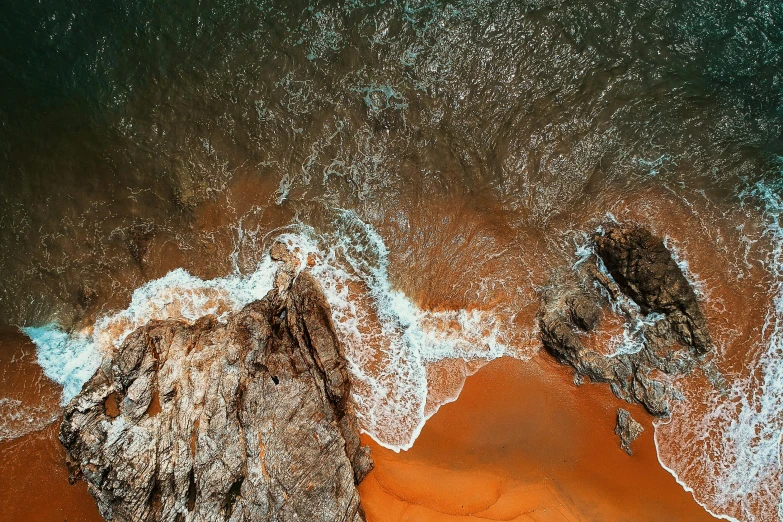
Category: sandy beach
[523,443]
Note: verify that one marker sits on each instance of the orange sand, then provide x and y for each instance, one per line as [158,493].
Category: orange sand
[523,443]
[33,477]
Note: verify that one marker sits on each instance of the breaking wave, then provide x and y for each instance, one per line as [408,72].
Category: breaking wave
[388,339]
[389,342]
[734,437]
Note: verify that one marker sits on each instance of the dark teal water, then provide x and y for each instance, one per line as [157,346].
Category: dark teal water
[115,114]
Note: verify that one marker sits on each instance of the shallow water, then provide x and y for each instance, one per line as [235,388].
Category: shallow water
[443,161]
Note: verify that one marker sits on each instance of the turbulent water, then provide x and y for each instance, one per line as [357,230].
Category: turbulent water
[442,162]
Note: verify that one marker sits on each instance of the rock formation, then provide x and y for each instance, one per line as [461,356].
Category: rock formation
[645,271]
[634,275]
[247,419]
[627,429]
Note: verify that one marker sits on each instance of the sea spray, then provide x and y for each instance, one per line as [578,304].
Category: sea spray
[402,337]
[18,418]
[756,435]
[388,339]
[70,358]
[67,359]
[680,258]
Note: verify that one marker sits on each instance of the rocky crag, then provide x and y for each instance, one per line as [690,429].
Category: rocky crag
[247,419]
[630,273]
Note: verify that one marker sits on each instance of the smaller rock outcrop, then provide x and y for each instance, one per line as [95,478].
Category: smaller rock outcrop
[138,238]
[631,274]
[644,270]
[627,429]
[250,419]
[584,312]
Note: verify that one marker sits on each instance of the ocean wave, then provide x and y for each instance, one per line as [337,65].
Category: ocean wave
[734,439]
[388,339]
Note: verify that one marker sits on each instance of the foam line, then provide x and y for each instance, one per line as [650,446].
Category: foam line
[389,341]
[685,486]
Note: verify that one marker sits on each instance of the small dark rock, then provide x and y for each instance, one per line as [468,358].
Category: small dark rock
[584,311]
[628,430]
[86,296]
[137,239]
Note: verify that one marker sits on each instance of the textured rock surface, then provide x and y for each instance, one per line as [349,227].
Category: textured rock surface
[247,420]
[627,429]
[645,270]
[643,284]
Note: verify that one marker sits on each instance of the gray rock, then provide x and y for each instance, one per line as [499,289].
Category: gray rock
[627,429]
[248,420]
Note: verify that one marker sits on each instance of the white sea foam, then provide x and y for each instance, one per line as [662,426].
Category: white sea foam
[70,359]
[695,281]
[685,486]
[753,442]
[736,439]
[388,339]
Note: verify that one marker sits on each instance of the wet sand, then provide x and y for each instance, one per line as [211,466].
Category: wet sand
[34,482]
[33,477]
[523,443]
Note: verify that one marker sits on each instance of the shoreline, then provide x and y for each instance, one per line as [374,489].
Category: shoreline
[498,445]
[544,449]
[689,489]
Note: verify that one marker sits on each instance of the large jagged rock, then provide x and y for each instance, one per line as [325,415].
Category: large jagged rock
[250,419]
[674,343]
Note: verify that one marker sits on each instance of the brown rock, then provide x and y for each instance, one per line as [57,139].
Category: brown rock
[645,271]
[254,419]
[585,312]
[138,238]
